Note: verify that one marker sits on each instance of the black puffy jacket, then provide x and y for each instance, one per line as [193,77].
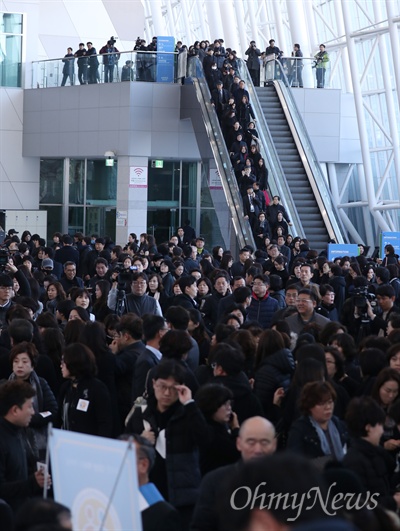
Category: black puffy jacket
[275,371]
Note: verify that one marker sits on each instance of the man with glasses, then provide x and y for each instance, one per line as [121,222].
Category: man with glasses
[306,303]
[176,428]
[69,279]
[138,301]
[262,306]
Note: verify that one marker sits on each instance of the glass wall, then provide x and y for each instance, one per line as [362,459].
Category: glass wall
[172,197]
[79,195]
[10,49]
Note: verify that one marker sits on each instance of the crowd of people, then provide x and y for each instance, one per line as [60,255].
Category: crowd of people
[222,367]
[219,64]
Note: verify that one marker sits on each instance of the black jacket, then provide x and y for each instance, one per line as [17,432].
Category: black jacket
[97,419]
[245,403]
[17,483]
[303,437]
[275,371]
[374,466]
[185,431]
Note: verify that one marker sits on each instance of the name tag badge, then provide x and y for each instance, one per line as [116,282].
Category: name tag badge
[83,405]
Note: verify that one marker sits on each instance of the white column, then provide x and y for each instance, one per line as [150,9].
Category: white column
[345,57]
[299,34]
[394,40]
[159,26]
[362,128]
[368,226]
[214,21]
[387,83]
[239,11]
[280,34]
[312,30]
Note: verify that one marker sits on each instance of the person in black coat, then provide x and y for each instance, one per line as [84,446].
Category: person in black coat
[84,401]
[68,68]
[93,71]
[373,465]
[318,434]
[19,479]
[215,402]
[172,422]
[274,368]
[23,358]
[253,62]
[219,99]
[228,363]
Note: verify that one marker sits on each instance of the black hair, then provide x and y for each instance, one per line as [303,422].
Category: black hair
[362,411]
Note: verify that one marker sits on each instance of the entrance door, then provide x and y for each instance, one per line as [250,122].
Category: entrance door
[162,222]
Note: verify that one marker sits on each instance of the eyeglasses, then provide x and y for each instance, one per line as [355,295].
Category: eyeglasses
[303,300]
[164,388]
[258,284]
[137,283]
[6,287]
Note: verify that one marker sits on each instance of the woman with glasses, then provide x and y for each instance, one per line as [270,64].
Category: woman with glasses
[318,434]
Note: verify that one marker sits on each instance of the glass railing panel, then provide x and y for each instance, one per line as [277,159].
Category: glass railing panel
[162,67]
[295,71]
[276,176]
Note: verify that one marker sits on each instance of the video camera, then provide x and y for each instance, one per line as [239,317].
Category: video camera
[4,257]
[124,275]
[360,298]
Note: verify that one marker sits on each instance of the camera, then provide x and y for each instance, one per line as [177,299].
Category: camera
[113,40]
[4,257]
[360,298]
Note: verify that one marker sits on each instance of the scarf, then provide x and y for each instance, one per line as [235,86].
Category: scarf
[334,435]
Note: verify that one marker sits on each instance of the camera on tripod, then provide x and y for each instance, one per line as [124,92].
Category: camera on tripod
[361,297]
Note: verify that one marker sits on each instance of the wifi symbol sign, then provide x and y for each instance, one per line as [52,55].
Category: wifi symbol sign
[138,177]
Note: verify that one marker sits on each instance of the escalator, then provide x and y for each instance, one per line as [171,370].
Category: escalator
[297,176]
[314,227]
[241,226]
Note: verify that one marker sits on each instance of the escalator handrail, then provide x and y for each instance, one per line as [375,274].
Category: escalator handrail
[221,155]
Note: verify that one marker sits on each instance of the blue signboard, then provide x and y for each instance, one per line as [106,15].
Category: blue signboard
[165,62]
[392,238]
[342,249]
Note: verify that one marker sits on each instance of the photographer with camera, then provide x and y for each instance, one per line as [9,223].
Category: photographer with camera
[253,63]
[385,297]
[138,301]
[321,60]
[110,59]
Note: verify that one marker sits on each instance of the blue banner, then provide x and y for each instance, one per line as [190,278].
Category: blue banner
[165,62]
[341,249]
[85,470]
[392,238]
